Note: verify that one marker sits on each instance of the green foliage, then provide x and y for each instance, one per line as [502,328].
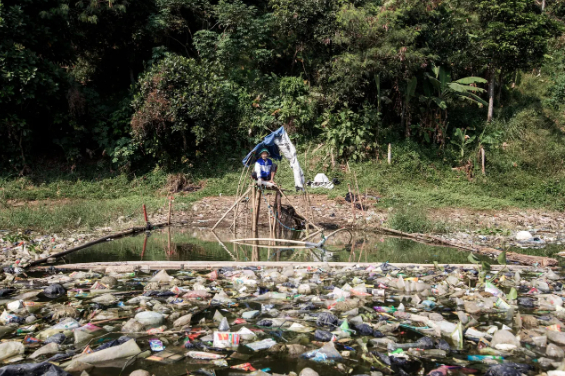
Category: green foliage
[351,135]
[513,34]
[182,108]
[462,140]
[412,219]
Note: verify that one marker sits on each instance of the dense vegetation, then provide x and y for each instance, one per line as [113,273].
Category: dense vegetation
[175,84]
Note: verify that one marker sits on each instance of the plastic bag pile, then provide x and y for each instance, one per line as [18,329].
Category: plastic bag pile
[355,321]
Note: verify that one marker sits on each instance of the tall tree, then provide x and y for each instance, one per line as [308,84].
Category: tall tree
[513,35]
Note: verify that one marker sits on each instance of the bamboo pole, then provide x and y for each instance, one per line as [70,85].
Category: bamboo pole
[267,239]
[224,246]
[389,157]
[309,205]
[253,208]
[352,252]
[237,198]
[258,196]
[229,210]
[209,265]
[361,252]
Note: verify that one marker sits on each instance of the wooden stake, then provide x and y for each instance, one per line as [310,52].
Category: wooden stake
[352,202]
[170,208]
[359,193]
[256,213]
[253,208]
[145,214]
[230,209]
[389,158]
[483,160]
[332,158]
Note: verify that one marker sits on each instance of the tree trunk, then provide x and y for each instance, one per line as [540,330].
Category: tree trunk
[543,5]
[491,95]
[500,84]
[404,122]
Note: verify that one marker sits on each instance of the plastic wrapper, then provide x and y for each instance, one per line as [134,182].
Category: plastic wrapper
[224,340]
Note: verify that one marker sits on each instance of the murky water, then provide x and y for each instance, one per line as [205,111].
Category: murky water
[192,244]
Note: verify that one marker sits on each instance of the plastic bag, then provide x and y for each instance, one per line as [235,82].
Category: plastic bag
[33,369]
[123,351]
[10,349]
[54,291]
[262,345]
[326,319]
[322,335]
[149,318]
[58,338]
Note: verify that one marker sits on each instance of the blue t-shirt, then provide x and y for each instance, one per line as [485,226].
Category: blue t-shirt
[263,168]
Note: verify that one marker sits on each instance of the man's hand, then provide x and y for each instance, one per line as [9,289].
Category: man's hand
[272,182]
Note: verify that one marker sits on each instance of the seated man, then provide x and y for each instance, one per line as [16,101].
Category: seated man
[265,169]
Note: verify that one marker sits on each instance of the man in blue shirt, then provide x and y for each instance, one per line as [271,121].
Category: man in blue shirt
[265,169]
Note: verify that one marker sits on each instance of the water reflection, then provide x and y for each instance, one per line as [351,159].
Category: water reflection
[193,244]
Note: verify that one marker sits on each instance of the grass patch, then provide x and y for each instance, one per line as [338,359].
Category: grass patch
[413,219]
[63,201]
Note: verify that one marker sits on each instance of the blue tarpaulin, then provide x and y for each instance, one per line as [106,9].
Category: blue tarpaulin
[267,143]
[278,144]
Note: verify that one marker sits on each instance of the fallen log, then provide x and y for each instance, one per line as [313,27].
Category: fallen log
[484,251]
[117,235]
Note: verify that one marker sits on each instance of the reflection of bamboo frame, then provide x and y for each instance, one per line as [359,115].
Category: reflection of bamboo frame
[256,195]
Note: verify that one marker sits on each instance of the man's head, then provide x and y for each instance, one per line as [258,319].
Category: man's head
[264,154]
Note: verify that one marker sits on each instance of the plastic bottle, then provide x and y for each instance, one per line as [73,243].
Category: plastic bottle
[480,358]
[432,353]
[390,309]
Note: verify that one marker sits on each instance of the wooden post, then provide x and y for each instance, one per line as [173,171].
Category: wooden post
[483,160]
[352,201]
[145,214]
[359,193]
[253,210]
[332,158]
[277,210]
[257,209]
[170,208]
[389,158]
